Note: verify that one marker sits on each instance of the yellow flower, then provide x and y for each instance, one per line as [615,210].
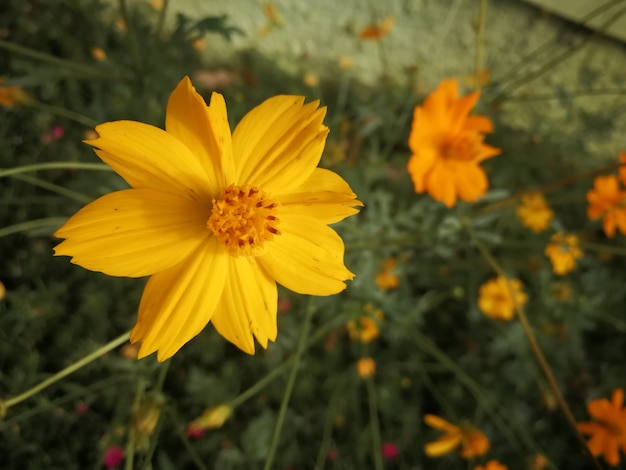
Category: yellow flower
[495,299]
[212,418]
[473,442]
[607,200]
[608,432]
[366,367]
[447,146]
[98,54]
[215,220]
[374,32]
[563,252]
[12,95]
[534,212]
[491,465]
[386,279]
[366,332]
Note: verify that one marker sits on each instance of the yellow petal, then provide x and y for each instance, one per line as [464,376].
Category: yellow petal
[248,306]
[148,157]
[307,257]
[436,422]
[204,130]
[178,303]
[443,445]
[440,184]
[279,143]
[134,232]
[325,196]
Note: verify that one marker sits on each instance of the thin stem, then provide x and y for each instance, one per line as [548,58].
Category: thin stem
[374,425]
[304,332]
[132,40]
[101,351]
[480,44]
[32,224]
[64,63]
[66,113]
[54,188]
[534,345]
[54,166]
[161,20]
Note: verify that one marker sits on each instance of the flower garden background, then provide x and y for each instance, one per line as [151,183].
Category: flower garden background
[450,284]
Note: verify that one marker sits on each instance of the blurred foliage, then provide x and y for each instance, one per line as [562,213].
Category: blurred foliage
[436,352]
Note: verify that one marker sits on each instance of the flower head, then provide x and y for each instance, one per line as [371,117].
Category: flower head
[563,252]
[212,418]
[498,296]
[534,212]
[12,95]
[472,441]
[608,431]
[113,457]
[389,450]
[366,367]
[607,200]
[387,279]
[365,332]
[491,465]
[376,31]
[215,219]
[447,146]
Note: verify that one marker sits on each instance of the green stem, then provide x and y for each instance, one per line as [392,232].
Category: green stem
[375,426]
[50,59]
[32,224]
[66,113]
[132,40]
[54,166]
[480,43]
[534,346]
[101,351]
[161,20]
[54,188]
[304,332]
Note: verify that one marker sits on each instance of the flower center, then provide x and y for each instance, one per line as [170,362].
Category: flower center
[461,148]
[243,219]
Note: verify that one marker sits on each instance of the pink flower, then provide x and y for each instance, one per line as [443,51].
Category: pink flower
[113,457]
[390,450]
[194,432]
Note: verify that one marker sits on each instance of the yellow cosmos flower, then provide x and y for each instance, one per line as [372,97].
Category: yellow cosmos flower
[366,331]
[366,367]
[447,146]
[491,465]
[563,252]
[387,279]
[534,212]
[215,219]
[472,441]
[608,432]
[495,297]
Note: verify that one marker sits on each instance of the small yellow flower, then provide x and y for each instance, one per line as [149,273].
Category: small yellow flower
[366,332]
[147,414]
[213,418]
[534,212]
[311,80]
[387,279]
[608,432]
[495,298]
[198,44]
[472,441]
[366,367]
[563,252]
[98,54]
[215,218]
[12,95]
[607,200]
[491,465]
[345,62]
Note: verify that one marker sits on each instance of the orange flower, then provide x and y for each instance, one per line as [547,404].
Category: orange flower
[386,279]
[491,465]
[473,441]
[366,332]
[376,31]
[366,367]
[12,95]
[534,212]
[608,200]
[98,53]
[496,297]
[608,431]
[563,252]
[447,146]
